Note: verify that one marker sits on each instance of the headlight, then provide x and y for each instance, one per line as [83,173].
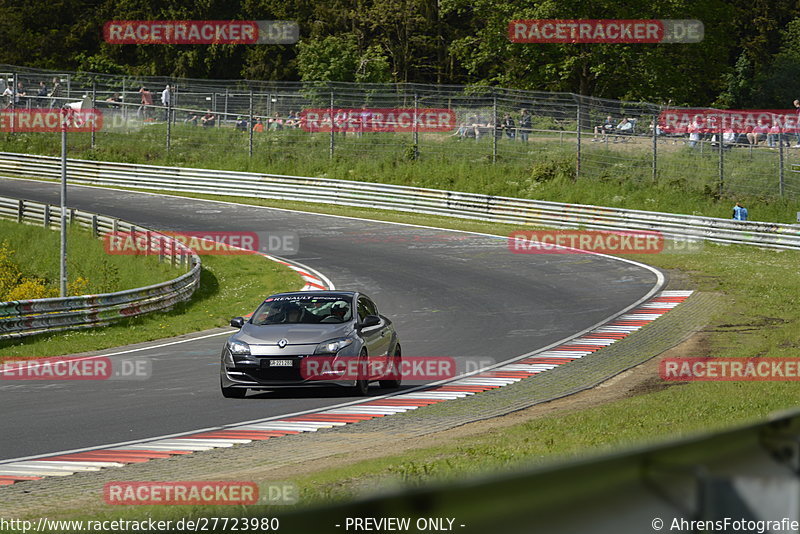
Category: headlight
[239,348]
[332,346]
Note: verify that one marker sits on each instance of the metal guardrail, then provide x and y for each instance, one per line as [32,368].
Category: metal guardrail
[27,317]
[403,198]
[749,475]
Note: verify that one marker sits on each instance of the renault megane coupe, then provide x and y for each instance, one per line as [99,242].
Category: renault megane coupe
[311,338]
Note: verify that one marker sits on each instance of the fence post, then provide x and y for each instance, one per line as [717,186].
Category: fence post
[225,109]
[494,126]
[250,124]
[169,120]
[94,107]
[578,134]
[655,148]
[780,164]
[14,96]
[416,129]
[332,127]
[721,157]
[124,104]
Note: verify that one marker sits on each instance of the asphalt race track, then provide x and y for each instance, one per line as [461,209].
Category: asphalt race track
[449,293]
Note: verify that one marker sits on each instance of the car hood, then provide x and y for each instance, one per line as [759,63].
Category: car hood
[295,334]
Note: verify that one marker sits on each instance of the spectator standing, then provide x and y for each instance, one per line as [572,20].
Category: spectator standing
[259,126]
[21,93]
[41,94]
[146,102]
[509,126]
[166,101]
[739,212]
[524,125]
[8,96]
[55,94]
[797,123]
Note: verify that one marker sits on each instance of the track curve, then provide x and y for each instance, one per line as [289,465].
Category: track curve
[449,293]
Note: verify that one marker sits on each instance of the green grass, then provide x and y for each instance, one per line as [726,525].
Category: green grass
[229,286]
[616,175]
[36,251]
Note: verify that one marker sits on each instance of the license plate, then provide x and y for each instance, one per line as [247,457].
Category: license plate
[280,363]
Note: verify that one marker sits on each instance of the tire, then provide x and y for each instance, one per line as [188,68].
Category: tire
[361,387]
[397,358]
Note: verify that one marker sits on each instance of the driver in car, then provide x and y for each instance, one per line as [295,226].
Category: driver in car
[339,311]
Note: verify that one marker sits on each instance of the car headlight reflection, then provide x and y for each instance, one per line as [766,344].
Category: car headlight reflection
[239,348]
[332,346]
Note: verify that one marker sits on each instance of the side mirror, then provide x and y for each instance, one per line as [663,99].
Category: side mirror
[370,320]
[237,322]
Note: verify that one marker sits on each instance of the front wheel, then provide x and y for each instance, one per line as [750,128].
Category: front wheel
[395,378]
[361,387]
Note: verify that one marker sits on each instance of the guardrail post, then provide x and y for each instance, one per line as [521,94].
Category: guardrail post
[47,216]
[95,232]
[20,210]
[578,134]
[250,126]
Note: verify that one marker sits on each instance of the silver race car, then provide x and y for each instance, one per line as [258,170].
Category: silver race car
[311,338]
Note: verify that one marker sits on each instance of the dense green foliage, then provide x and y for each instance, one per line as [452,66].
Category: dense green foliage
[750,54]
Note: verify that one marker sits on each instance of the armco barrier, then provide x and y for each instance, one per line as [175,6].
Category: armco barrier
[27,317]
[402,198]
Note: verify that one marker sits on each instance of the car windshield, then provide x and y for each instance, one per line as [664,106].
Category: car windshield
[302,309]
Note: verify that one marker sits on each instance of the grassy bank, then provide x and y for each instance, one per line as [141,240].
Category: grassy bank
[229,286]
[617,175]
[35,250]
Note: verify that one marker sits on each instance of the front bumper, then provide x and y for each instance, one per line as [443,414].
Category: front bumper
[256,372]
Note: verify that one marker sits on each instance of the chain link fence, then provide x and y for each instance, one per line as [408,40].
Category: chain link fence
[549,131]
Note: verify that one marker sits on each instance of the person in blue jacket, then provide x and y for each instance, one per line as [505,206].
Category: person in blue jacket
[739,212]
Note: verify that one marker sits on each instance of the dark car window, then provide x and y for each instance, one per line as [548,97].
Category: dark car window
[303,310]
[366,307]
